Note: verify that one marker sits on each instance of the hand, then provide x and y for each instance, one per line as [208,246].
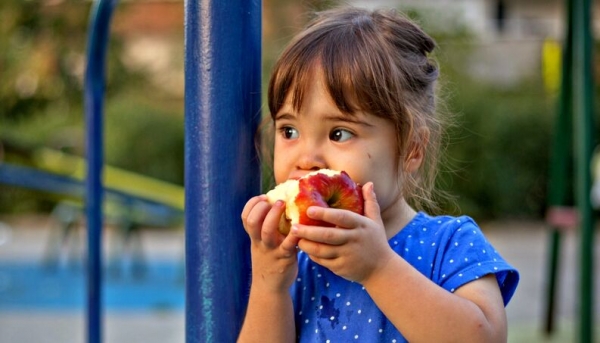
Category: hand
[355,248]
[274,262]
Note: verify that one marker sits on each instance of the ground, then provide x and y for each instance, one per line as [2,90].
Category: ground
[149,307]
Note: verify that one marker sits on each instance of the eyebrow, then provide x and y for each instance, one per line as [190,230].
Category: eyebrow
[347,118]
[328,117]
[284,115]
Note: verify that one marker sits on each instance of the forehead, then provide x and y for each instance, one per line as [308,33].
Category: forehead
[309,84]
[315,80]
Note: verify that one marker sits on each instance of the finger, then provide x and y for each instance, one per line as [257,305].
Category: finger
[336,216]
[270,234]
[250,204]
[372,209]
[321,234]
[253,222]
[290,244]
[317,250]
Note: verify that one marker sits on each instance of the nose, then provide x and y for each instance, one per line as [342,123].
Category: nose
[311,157]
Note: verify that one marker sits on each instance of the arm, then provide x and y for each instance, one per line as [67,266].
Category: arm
[419,308]
[269,317]
[474,313]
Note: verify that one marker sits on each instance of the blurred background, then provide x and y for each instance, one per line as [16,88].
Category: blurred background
[500,66]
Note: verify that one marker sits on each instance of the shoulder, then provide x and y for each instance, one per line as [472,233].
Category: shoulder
[445,221]
[427,241]
[459,252]
[438,228]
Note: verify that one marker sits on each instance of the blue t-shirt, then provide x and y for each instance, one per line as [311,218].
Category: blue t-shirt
[451,251]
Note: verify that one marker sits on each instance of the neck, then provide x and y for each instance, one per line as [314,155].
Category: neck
[396,217]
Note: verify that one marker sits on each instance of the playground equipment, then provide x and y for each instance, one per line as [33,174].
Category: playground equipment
[571,156]
[222,171]
[222,66]
[222,112]
[132,201]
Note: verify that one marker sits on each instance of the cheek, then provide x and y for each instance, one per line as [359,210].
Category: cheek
[384,173]
[387,193]
[280,170]
[277,172]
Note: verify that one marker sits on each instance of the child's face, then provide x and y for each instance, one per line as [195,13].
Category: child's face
[321,136]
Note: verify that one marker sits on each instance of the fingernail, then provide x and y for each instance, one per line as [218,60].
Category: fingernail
[294,229]
[311,211]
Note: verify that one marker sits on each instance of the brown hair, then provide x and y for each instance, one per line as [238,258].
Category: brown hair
[376,62]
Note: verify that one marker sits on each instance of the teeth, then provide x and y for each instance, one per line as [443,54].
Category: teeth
[327,172]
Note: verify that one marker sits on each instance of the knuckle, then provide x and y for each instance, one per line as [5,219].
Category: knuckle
[252,222]
[341,216]
[244,217]
[317,249]
[329,235]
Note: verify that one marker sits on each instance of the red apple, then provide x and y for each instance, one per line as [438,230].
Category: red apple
[323,188]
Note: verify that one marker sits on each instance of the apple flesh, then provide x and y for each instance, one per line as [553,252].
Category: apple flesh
[323,188]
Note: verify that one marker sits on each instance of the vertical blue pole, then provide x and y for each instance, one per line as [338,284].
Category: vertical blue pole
[222,171]
[98,33]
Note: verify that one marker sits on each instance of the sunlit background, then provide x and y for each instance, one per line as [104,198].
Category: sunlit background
[500,65]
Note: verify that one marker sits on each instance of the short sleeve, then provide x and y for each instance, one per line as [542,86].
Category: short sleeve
[468,256]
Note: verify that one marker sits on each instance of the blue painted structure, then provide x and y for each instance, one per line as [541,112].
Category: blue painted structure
[99,30]
[222,103]
[155,212]
[222,171]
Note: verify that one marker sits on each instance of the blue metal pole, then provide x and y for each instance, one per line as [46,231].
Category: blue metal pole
[222,171]
[98,33]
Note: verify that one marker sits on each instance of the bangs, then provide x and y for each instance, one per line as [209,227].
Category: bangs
[346,56]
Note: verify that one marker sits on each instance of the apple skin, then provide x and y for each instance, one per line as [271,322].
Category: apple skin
[334,191]
[323,188]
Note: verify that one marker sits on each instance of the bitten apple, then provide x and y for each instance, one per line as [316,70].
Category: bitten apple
[323,188]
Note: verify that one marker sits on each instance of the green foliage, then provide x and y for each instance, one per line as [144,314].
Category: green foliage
[145,136]
[37,68]
[498,151]
[41,99]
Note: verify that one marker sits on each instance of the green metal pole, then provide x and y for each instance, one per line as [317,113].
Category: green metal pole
[582,131]
[561,170]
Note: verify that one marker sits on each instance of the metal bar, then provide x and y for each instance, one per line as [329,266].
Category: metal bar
[154,212]
[30,178]
[98,33]
[583,126]
[553,265]
[222,171]
[561,169]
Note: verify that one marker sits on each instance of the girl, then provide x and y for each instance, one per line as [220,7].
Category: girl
[355,92]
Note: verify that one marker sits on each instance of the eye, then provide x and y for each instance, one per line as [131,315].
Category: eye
[340,135]
[289,132]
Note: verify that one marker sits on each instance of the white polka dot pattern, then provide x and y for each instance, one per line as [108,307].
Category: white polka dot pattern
[450,251]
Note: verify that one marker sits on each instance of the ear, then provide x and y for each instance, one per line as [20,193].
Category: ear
[416,150]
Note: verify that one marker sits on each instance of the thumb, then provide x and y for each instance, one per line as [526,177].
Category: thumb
[372,209]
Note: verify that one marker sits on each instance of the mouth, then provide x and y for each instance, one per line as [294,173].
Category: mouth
[295,177]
